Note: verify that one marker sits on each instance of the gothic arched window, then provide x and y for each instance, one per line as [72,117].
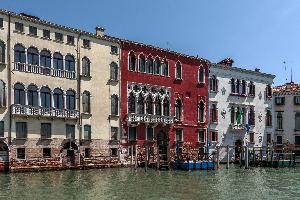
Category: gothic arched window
[149,105]
[178,109]
[58,98]
[19,54]
[70,98]
[58,61]
[157,106]
[19,92]
[140,104]
[45,97]
[32,56]
[86,65]
[131,61]
[131,103]
[201,111]
[157,66]
[166,107]
[32,95]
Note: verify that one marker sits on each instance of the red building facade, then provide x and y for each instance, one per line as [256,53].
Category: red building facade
[164,99]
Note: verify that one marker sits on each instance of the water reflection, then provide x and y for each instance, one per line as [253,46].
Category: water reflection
[234,183]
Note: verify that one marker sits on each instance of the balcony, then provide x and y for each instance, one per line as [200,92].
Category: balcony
[238,126]
[144,118]
[44,112]
[35,69]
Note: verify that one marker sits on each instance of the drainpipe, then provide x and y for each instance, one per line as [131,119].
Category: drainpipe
[120,96]
[208,117]
[79,87]
[9,80]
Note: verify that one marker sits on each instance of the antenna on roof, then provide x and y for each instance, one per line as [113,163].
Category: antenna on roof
[286,78]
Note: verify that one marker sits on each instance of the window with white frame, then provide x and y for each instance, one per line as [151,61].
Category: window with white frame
[213,84]
[279,121]
[150,133]
[178,71]
[131,61]
[201,75]
[279,100]
[114,133]
[201,135]
[132,133]
[178,135]
[2,52]
[279,140]
[297,100]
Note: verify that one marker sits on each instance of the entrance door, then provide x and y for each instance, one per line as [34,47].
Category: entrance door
[163,145]
[71,157]
[238,145]
[69,149]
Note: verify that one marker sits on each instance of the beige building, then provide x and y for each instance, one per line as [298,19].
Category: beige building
[59,92]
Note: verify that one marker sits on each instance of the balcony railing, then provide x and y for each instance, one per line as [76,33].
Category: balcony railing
[144,118]
[238,126]
[44,112]
[35,69]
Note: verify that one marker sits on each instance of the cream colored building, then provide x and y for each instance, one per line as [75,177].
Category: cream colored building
[60,94]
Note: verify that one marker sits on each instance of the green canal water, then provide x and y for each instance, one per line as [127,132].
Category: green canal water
[235,183]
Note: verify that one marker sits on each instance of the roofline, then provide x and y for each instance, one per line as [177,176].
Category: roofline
[161,49]
[242,70]
[54,25]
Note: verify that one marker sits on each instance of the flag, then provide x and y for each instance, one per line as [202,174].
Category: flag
[239,118]
[250,120]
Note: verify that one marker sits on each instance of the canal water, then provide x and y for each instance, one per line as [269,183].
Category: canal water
[101,184]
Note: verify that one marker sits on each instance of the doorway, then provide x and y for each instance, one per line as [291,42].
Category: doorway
[237,150]
[69,149]
[163,145]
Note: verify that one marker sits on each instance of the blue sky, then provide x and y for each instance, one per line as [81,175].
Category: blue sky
[257,33]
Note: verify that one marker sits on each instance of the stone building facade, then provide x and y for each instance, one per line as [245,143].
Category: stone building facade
[286,101]
[240,107]
[164,100]
[59,93]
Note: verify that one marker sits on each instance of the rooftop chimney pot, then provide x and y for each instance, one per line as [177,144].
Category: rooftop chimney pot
[99,31]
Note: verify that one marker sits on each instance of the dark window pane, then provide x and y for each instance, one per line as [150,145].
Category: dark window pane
[87,132]
[45,130]
[32,30]
[21,130]
[1,128]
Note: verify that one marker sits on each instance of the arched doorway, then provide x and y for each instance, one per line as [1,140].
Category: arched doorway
[4,156]
[163,145]
[69,149]
[238,146]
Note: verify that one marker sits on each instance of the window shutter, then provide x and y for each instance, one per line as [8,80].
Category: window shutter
[217,114]
[253,118]
[2,94]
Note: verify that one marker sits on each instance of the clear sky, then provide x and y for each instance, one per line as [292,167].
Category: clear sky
[255,34]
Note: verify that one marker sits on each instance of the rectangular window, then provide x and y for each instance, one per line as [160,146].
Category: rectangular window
[1,128]
[45,130]
[32,30]
[214,136]
[114,152]
[268,138]
[149,133]
[129,151]
[70,131]
[58,37]
[297,100]
[279,100]
[70,39]
[178,133]
[21,130]
[201,135]
[87,132]
[132,133]
[251,137]
[297,140]
[19,27]
[86,43]
[114,133]
[46,33]
[87,152]
[46,152]
[114,50]
[279,139]
[20,153]
[1,22]
[297,121]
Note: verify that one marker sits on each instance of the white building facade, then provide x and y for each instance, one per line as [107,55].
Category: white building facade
[240,107]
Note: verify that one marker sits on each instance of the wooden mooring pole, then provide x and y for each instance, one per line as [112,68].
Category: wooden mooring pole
[135,158]
[227,150]
[246,158]
[147,156]
[157,158]
[131,160]
[218,160]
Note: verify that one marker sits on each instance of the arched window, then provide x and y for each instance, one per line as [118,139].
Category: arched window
[32,95]
[149,65]
[86,102]
[131,61]
[269,91]
[19,94]
[165,68]
[251,118]
[232,86]
[279,121]
[70,98]
[269,118]
[178,72]
[2,52]
[213,84]
[178,109]
[46,97]
[238,83]
[58,61]
[32,56]
[114,71]
[86,65]
[157,106]
[45,58]
[114,105]
[214,113]
[2,94]
[243,87]
[149,105]
[157,66]
[297,121]
[251,89]
[70,63]
[131,103]
[58,98]
[201,75]
[201,111]
[19,54]
[142,63]
[166,107]
[232,115]
[140,104]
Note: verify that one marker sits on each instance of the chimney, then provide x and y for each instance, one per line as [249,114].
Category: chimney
[257,69]
[99,31]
